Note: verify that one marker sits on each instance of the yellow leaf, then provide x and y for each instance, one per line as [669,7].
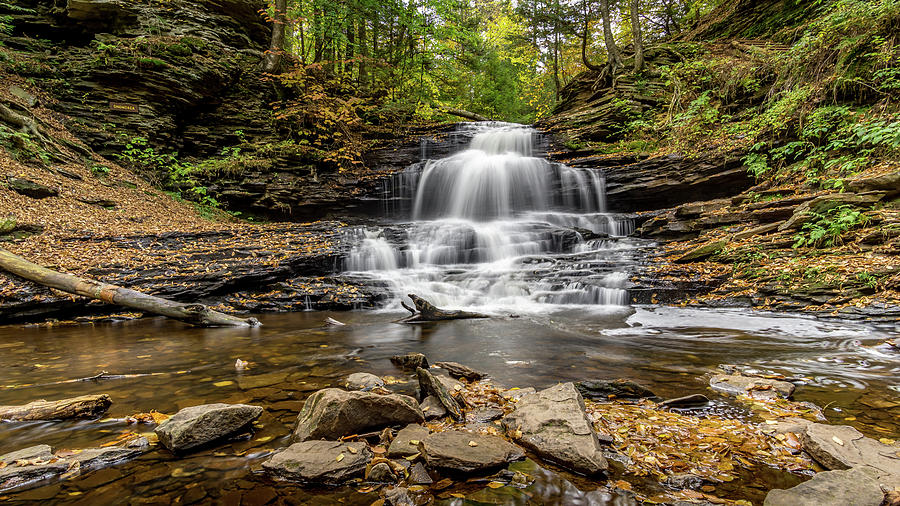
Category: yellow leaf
[837,440]
[264,439]
[223,383]
[340,457]
[473,443]
[416,488]
[887,441]
[458,496]
[352,450]
[496,484]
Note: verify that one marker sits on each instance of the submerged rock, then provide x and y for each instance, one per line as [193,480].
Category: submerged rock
[554,425]
[329,462]
[407,441]
[332,413]
[620,388]
[466,452]
[858,486]
[363,381]
[410,361]
[198,425]
[760,388]
[37,464]
[429,385]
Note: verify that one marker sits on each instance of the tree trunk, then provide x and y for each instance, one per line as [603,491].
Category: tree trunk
[615,59]
[194,314]
[636,35]
[427,312]
[584,38]
[86,406]
[363,53]
[271,63]
[464,114]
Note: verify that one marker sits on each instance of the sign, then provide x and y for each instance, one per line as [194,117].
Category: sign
[123,107]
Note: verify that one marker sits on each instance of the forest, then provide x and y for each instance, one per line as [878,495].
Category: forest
[414,252]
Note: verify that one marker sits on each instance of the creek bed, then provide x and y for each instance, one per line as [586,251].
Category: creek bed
[670,350]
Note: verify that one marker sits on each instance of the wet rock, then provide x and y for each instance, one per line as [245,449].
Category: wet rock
[449,383]
[30,188]
[381,473]
[363,381]
[96,458]
[457,370]
[407,441]
[198,425]
[702,252]
[517,393]
[857,486]
[429,385]
[688,401]
[554,425]
[685,480]
[465,452]
[410,361]
[398,496]
[760,388]
[330,462]
[605,389]
[843,447]
[333,413]
[37,464]
[38,452]
[418,475]
[433,408]
[484,415]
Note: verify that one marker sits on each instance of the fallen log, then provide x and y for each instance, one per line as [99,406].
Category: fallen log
[86,406]
[464,114]
[428,312]
[194,314]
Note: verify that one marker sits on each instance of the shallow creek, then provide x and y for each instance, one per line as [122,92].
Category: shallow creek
[667,349]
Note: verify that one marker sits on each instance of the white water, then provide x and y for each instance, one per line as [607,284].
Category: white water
[497,228]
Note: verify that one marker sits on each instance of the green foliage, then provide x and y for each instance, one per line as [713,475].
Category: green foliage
[22,146]
[6,26]
[867,279]
[828,228]
[100,170]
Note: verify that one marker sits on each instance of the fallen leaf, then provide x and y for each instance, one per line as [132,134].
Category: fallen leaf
[340,457]
[473,443]
[496,484]
[837,440]
[223,383]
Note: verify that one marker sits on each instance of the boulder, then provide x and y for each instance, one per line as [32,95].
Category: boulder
[484,415]
[460,371]
[429,385]
[407,441]
[329,462]
[465,452]
[410,361]
[843,447]
[514,394]
[433,408]
[760,388]
[198,425]
[858,486]
[381,473]
[332,413]
[554,425]
[363,381]
[418,475]
[605,389]
[30,188]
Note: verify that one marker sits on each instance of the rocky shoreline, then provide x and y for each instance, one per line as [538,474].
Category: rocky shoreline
[457,430]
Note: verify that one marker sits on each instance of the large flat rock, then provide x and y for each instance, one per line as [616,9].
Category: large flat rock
[406,442]
[761,388]
[466,452]
[843,447]
[856,487]
[330,462]
[554,425]
[332,413]
[198,425]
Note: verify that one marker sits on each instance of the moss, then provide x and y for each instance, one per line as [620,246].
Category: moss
[153,63]
[181,50]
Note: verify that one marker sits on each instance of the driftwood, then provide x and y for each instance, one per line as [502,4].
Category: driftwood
[427,312]
[464,114]
[86,406]
[194,314]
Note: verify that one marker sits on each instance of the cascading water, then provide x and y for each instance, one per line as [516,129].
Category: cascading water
[496,227]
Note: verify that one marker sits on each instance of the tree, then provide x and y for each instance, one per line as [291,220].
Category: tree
[615,59]
[636,37]
[272,61]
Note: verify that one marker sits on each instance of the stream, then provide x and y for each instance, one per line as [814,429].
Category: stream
[492,228]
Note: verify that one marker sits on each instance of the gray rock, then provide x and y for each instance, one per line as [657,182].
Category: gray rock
[843,447]
[30,188]
[97,458]
[458,370]
[334,413]
[857,487]
[484,415]
[45,467]
[398,496]
[29,99]
[410,361]
[517,393]
[760,388]
[889,181]
[363,381]
[320,461]
[619,388]
[418,475]
[381,473]
[403,445]
[430,386]
[685,480]
[433,408]
[198,425]
[449,383]
[42,452]
[465,452]
[554,425]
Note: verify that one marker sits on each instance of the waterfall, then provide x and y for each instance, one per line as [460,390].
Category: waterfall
[495,226]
